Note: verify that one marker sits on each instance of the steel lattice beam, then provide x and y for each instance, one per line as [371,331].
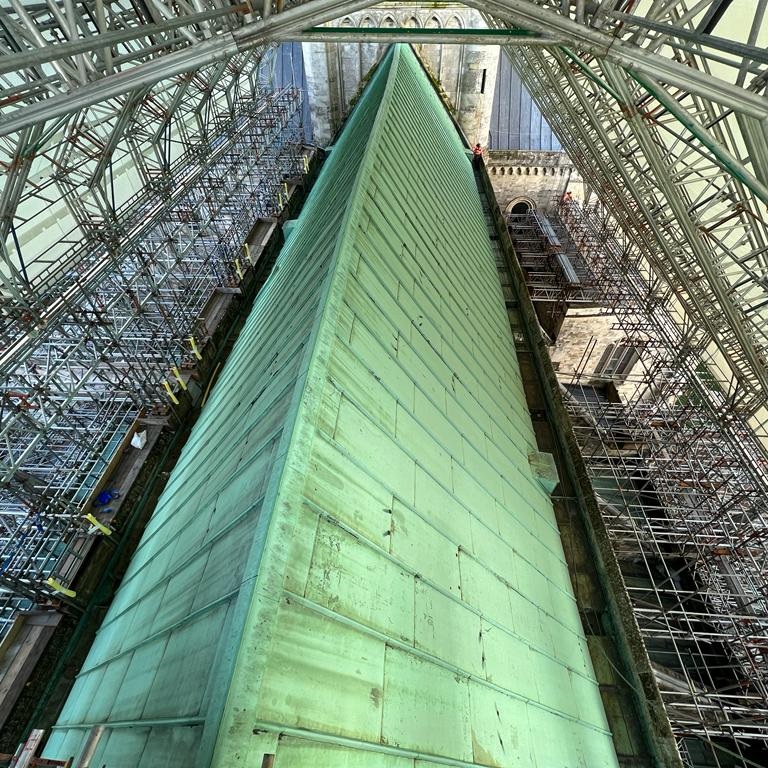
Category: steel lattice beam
[669,160]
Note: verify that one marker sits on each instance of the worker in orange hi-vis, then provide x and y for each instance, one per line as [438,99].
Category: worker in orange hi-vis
[477,156]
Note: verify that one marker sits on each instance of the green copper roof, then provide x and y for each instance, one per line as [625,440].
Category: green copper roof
[353,564]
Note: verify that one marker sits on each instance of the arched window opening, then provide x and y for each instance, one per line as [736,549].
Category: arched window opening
[519,206]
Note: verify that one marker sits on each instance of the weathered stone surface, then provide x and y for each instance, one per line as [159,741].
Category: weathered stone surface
[466,74]
[538,178]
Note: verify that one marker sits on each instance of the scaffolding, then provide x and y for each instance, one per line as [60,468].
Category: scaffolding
[117,311]
[664,153]
[660,106]
[681,478]
[556,276]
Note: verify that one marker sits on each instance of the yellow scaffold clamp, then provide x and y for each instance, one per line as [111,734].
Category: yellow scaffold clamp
[306,163]
[167,386]
[57,586]
[97,525]
[177,376]
[279,201]
[247,252]
[238,269]
[195,351]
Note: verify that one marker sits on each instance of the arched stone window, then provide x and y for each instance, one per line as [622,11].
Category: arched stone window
[389,21]
[368,22]
[519,205]
[347,22]
[412,22]
[433,23]
[454,23]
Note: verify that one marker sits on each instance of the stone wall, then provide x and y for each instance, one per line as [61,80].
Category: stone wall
[539,178]
[581,343]
[466,73]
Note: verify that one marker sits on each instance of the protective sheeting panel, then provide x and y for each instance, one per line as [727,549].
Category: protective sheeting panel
[418,605]
[288,69]
[516,121]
